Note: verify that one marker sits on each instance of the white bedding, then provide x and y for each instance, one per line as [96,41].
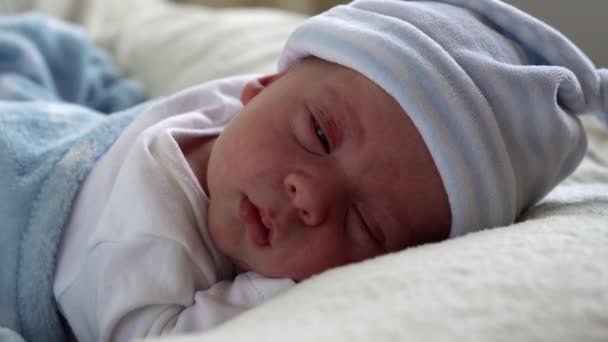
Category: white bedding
[543,279]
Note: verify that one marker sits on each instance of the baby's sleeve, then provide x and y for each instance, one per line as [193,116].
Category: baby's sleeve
[153,287]
[223,301]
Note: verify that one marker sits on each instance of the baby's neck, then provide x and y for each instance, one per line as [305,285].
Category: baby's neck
[197,151]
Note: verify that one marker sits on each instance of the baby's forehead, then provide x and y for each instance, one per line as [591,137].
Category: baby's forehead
[323,70]
[336,81]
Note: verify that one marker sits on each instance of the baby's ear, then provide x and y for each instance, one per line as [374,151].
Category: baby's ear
[254,87]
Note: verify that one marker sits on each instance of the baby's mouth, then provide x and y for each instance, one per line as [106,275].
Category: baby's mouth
[257,231]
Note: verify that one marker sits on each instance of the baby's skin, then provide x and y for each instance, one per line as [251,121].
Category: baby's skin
[321,168]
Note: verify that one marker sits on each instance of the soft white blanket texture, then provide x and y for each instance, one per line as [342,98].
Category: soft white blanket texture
[543,279]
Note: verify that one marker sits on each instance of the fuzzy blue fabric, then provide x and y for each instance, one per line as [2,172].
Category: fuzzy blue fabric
[7,335]
[55,90]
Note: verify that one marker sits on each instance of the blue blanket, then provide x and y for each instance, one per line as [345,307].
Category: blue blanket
[56,91]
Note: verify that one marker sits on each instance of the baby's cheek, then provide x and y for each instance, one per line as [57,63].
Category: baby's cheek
[315,258]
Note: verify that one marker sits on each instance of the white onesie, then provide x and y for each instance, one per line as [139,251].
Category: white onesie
[136,258]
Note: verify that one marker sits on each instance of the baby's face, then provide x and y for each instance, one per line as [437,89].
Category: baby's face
[321,168]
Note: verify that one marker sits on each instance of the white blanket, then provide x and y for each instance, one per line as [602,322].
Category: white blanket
[543,279]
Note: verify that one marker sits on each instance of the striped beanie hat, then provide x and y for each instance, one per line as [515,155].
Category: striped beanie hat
[494,92]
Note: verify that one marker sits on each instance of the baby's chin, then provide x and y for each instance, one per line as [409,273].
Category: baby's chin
[241,265]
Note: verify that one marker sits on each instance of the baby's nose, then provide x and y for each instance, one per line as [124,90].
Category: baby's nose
[310,199]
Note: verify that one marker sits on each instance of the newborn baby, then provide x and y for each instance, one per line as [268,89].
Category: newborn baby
[389,124]
[297,183]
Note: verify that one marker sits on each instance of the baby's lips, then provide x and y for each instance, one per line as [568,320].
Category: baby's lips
[266,218]
[250,215]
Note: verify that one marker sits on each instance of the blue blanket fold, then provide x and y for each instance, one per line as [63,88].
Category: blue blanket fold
[56,91]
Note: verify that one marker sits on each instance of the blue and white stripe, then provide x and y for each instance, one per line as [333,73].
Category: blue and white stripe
[494,92]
